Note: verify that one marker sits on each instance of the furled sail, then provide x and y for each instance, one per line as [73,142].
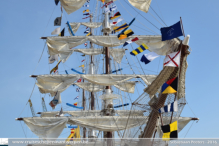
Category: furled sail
[76,25]
[46,128]
[72,5]
[53,83]
[125,86]
[153,42]
[64,52]
[93,113]
[142,5]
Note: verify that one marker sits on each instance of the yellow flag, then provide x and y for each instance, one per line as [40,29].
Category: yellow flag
[86,11]
[56,67]
[88,34]
[81,66]
[103,1]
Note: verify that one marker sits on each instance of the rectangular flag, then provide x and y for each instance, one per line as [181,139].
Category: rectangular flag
[86,32]
[108,9]
[88,1]
[173,107]
[125,34]
[85,5]
[116,29]
[147,58]
[171,32]
[139,49]
[57,21]
[82,65]
[86,17]
[115,16]
[77,89]
[56,31]
[170,86]
[86,10]
[86,14]
[62,32]
[170,131]
[114,23]
[53,58]
[130,41]
[85,44]
[172,59]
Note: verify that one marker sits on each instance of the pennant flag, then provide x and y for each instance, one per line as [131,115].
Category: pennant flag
[114,23]
[56,67]
[76,97]
[115,16]
[60,113]
[56,31]
[82,65]
[56,2]
[126,34]
[85,44]
[85,5]
[139,49]
[83,60]
[130,41]
[172,59]
[170,86]
[103,1]
[86,14]
[75,104]
[173,107]
[76,71]
[62,32]
[170,131]
[107,4]
[79,80]
[53,58]
[116,29]
[77,89]
[171,32]
[147,58]
[86,17]
[86,32]
[86,10]
[88,1]
[83,55]
[113,8]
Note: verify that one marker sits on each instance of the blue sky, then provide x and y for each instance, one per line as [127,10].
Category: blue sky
[23,22]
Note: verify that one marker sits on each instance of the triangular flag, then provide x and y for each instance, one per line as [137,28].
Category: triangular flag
[170,131]
[86,14]
[130,41]
[62,32]
[75,104]
[56,31]
[114,23]
[56,67]
[56,2]
[147,58]
[86,10]
[173,59]
[88,34]
[82,65]
[117,14]
[170,86]
[125,34]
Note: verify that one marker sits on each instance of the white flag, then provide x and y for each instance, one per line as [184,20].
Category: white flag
[172,59]
[56,31]
[114,23]
[53,58]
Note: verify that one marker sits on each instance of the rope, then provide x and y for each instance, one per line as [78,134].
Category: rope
[23,129]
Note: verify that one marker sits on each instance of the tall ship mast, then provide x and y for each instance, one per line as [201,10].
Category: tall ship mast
[105,110]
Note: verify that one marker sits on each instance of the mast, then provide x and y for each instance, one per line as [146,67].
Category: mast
[84,105]
[150,127]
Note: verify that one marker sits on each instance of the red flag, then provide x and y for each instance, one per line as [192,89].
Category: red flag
[79,80]
[83,60]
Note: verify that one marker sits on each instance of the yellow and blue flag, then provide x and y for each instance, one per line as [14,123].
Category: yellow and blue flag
[139,49]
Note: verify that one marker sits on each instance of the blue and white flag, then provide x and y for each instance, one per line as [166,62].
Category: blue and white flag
[173,107]
[76,97]
[85,5]
[113,8]
[77,89]
[88,1]
[87,31]
[147,58]
[171,32]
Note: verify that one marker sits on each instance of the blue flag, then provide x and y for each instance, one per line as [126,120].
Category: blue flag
[171,32]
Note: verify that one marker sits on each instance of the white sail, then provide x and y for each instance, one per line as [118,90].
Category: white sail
[72,5]
[76,25]
[46,128]
[142,5]
[64,52]
[53,83]
[153,42]
[93,113]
